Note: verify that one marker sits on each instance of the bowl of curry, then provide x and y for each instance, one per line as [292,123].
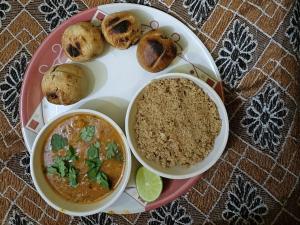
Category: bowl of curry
[81,162]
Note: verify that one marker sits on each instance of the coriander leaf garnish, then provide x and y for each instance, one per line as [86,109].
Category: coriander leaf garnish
[102,179]
[60,164]
[93,151]
[112,151]
[94,163]
[71,154]
[72,176]
[87,133]
[90,163]
[94,166]
[98,162]
[58,142]
[64,168]
[52,170]
[92,173]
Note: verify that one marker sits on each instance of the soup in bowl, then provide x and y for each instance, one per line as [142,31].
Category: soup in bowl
[81,162]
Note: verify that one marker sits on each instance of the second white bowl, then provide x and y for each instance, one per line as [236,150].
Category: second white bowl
[180,172]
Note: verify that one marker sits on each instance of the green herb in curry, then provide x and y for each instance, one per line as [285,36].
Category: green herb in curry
[102,179]
[87,133]
[58,142]
[52,170]
[73,172]
[58,167]
[112,151]
[94,163]
[63,165]
[93,151]
[71,154]
[64,168]
[76,158]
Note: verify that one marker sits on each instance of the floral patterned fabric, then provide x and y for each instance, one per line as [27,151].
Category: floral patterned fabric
[236,53]
[244,206]
[256,47]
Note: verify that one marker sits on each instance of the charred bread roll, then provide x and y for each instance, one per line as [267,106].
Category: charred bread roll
[82,41]
[64,84]
[155,51]
[121,29]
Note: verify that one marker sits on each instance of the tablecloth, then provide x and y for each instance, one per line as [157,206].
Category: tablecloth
[256,47]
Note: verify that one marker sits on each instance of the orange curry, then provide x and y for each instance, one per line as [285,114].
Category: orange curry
[84,158]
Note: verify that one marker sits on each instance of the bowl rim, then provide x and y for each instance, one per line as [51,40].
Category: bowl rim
[223,111]
[126,173]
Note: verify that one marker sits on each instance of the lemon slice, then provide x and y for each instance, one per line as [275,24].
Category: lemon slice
[148,184]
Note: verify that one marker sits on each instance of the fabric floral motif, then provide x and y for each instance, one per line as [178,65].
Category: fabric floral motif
[264,118]
[141,2]
[199,10]
[16,218]
[236,53]
[293,31]
[97,219]
[4,8]
[10,88]
[24,162]
[244,206]
[56,11]
[171,214]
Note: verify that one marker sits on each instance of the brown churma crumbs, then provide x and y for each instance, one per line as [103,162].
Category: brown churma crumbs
[176,122]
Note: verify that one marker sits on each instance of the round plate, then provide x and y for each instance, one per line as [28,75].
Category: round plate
[116,76]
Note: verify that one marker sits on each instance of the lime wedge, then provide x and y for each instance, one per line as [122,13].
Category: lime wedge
[148,184]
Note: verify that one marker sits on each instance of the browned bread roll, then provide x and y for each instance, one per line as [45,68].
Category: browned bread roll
[121,29]
[82,41]
[155,51]
[64,84]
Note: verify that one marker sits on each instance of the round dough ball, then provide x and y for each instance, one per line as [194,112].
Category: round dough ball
[155,51]
[65,84]
[121,29]
[82,41]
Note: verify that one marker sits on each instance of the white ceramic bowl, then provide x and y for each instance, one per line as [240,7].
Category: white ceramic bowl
[180,172]
[53,198]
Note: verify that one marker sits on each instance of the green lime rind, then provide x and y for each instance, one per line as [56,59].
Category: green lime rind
[148,184]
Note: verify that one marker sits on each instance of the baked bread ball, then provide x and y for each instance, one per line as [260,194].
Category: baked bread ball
[121,29]
[82,41]
[155,51]
[65,84]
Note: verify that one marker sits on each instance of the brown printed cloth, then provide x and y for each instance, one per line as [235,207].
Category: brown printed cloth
[256,46]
